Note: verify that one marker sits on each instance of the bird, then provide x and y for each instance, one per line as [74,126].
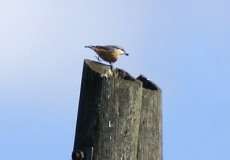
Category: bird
[109,53]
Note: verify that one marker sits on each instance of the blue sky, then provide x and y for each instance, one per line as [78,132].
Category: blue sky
[183,46]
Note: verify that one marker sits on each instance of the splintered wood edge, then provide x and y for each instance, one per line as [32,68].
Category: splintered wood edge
[96,66]
[147,84]
[101,69]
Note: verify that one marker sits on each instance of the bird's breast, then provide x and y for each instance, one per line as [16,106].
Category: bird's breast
[108,56]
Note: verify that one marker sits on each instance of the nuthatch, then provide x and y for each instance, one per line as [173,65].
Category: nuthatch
[109,53]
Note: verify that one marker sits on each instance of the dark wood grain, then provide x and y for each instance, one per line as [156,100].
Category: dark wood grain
[150,131]
[119,117]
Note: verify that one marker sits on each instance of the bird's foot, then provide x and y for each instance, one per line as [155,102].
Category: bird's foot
[111,66]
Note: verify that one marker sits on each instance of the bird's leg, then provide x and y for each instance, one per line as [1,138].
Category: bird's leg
[111,65]
[98,58]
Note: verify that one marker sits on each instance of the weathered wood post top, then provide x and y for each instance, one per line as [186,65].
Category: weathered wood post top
[119,117]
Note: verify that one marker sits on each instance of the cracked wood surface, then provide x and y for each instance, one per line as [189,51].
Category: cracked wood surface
[119,117]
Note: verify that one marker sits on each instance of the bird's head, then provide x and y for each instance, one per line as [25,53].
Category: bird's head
[122,51]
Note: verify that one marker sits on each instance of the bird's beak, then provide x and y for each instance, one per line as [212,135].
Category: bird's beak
[127,54]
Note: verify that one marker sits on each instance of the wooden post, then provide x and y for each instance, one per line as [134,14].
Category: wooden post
[109,116]
[150,131]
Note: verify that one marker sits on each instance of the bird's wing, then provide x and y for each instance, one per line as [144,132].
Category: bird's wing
[105,48]
[115,47]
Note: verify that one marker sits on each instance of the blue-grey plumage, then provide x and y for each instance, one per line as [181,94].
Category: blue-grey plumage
[109,53]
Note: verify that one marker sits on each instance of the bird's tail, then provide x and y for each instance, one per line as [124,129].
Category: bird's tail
[90,46]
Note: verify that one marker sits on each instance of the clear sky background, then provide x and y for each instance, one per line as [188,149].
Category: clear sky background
[183,46]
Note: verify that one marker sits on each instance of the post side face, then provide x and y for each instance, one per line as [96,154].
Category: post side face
[108,117]
[119,120]
[87,113]
[150,132]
